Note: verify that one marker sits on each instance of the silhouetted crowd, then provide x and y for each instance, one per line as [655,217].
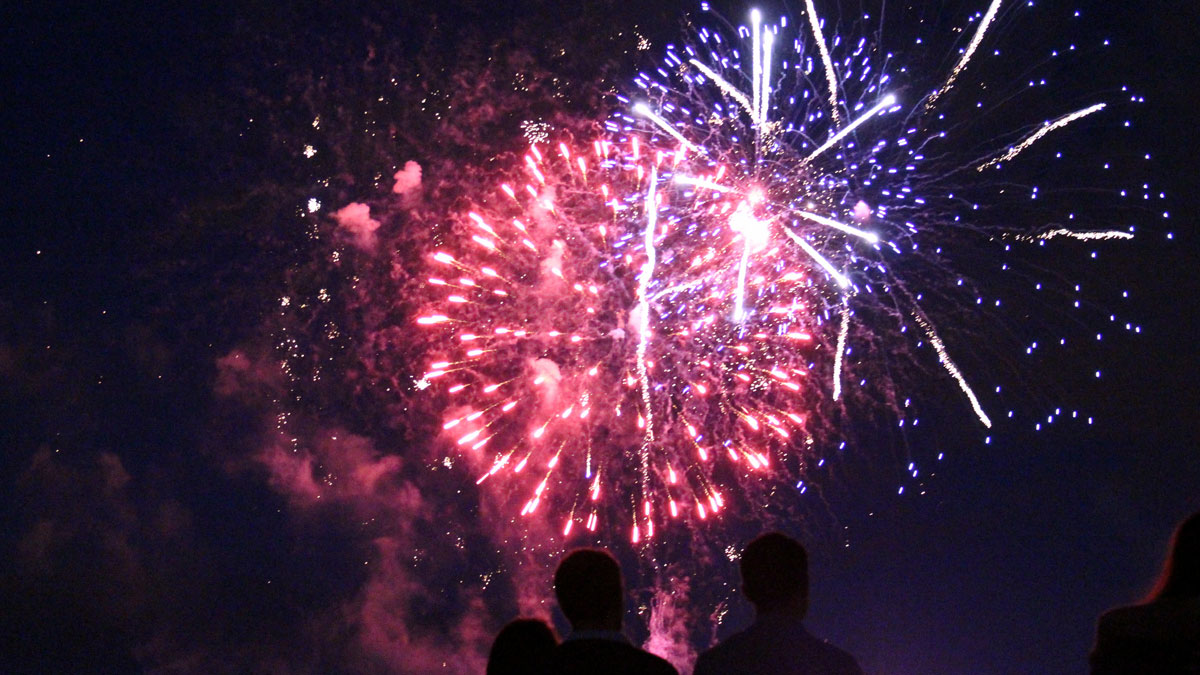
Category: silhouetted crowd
[1160,636]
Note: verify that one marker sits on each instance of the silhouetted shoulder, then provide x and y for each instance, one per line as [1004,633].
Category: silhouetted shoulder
[1161,637]
[596,657]
[769,649]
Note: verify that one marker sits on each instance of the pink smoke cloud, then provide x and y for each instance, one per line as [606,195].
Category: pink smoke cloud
[670,618]
[336,467]
[240,375]
[355,220]
[408,178]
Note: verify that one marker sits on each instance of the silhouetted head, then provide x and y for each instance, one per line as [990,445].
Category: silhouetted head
[775,574]
[588,586]
[1181,573]
[522,646]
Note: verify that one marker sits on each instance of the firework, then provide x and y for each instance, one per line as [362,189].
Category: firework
[631,324]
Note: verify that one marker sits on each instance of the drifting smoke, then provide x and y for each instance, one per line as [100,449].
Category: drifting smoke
[355,220]
[408,178]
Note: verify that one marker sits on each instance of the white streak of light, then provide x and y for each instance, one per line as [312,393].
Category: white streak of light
[944,357]
[764,89]
[644,306]
[827,62]
[729,89]
[962,63]
[705,183]
[1037,135]
[756,75]
[848,229]
[816,255]
[1094,234]
[739,302]
[841,349]
[644,110]
[886,102]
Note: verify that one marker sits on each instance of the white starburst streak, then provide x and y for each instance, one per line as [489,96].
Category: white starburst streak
[966,57]
[764,87]
[739,302]
[644,110]
[841,349]
[732,91]
[1036,136]
[948,364]
[826,62]
[1087,235]
[886,102]
[816,255]
[848,229]
[705,183]
[756,73]
[643,309]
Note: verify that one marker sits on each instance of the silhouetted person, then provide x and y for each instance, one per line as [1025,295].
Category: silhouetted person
[588,586]
[522,647]
[1161,635]
[775,579]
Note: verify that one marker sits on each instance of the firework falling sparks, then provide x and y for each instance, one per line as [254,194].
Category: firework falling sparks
[1040,133]
[980,31]
[632,324]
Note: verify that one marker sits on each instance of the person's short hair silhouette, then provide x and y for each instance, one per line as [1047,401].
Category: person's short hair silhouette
[1162,634]
[522,647]
[774,571]
[591,596]
[588,587]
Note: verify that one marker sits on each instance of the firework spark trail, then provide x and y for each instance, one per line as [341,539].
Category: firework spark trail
[644,110]
[827,62]
[841,349]
[1091,235]
[643,310]
[705,183]
[816,255]
[886,102]
[966,57]
[1040,133]
[764,87]
[947,363]
[756,74]
[862,234]
[739,302]
[730,90]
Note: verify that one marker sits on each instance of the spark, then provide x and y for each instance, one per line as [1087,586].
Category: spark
[949,365]
[886,102]
[764,88]
[841,349]
[644,110]
[816,255]
[1085,235]
[827,62]
[966,57]
[756,76]
[643,309]
[1037,135]
[848,229]
[732,91]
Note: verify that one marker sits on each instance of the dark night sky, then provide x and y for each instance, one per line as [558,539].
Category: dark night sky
[133,533]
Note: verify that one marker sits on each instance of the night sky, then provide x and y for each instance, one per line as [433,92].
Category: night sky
[149,230]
